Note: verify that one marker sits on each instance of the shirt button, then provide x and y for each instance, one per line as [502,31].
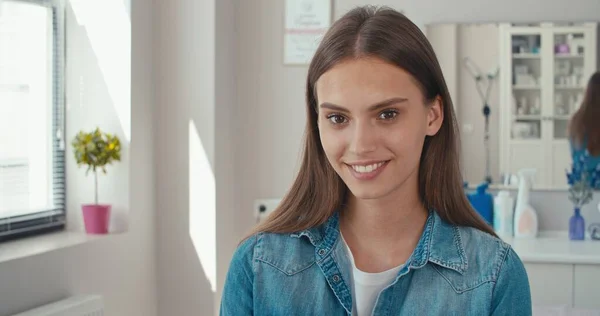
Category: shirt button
[322,252]
[336,278]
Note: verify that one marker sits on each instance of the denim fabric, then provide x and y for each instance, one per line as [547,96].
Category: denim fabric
[452,271]
[591,163]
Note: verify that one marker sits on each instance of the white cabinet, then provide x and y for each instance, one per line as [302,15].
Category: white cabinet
[551,284]
[587,286]
[573,285]
[543,73]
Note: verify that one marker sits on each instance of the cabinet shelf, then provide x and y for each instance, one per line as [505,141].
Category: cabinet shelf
[524,141]
[568,56]
[527,117]
[523,87]
[526,56]
[567,87]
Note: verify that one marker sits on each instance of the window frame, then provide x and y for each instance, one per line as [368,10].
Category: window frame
[53,219]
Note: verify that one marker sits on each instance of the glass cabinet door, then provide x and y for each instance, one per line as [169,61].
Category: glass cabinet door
[569,81]
[526,86]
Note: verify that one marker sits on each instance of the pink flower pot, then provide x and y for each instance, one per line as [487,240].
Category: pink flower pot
[96,218]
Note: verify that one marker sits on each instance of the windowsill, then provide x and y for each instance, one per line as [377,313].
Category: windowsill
[31,246]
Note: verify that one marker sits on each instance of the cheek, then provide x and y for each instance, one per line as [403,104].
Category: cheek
[333,144]
[407,138]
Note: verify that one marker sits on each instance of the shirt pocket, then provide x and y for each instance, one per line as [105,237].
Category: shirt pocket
[287,256]
[462,283]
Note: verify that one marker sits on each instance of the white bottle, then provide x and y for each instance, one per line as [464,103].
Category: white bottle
[504,214]
[526,221]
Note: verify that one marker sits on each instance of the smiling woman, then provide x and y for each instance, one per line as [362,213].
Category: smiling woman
[376,222]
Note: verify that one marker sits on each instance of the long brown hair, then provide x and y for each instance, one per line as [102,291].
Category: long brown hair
[318,191]
[585,123]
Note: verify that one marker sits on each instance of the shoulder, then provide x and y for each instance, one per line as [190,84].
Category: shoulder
[467,258]
[243,256]
[489,255]
[479,243]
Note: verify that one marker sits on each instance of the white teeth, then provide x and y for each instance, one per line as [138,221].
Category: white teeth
[367,168]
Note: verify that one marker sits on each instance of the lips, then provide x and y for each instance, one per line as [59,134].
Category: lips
[367,171]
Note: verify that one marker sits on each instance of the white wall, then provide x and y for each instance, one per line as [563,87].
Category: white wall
[443,38]
[121,268]
[226,117]
[434,11]
[184,47]
[271,110]
[195,64]
[479,42]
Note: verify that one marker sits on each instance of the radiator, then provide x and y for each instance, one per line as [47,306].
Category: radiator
[83,305]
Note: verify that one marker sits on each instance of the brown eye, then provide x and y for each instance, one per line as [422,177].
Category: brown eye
[336,119]
[388,115]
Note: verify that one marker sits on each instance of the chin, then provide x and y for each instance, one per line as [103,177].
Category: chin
[360,192]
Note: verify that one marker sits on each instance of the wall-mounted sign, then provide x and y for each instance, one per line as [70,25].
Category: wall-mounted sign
[306,21]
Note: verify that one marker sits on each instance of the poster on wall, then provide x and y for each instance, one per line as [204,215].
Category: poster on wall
[306,21]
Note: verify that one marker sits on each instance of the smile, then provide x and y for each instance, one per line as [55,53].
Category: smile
[367,171]
[367,168]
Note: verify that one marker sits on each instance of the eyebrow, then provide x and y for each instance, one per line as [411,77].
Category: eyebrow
[374,107]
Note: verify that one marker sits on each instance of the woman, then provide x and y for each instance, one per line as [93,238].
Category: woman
[584,129]
[376,222]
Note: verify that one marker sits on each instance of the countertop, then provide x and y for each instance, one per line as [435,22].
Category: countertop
[555,247]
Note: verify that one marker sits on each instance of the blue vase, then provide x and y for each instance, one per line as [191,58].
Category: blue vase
[577,226]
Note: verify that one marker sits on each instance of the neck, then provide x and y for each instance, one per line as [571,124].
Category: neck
[384,220]
[388,228]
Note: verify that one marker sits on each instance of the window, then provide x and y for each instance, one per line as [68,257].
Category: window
[32,150]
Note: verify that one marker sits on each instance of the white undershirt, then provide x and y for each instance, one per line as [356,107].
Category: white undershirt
[367,286]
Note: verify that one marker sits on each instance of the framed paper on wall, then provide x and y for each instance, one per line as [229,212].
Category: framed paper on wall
[306,21]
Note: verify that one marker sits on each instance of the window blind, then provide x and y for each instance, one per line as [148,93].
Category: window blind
[32,117]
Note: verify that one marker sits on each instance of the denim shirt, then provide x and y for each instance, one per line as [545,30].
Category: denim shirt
[453,271]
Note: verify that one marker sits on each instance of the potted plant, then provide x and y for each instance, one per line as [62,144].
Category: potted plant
[96,150]
[581,183]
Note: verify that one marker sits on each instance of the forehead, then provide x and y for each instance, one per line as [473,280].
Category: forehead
[365,81]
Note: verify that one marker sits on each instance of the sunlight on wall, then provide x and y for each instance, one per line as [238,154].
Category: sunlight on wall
[109,31]
[202,206]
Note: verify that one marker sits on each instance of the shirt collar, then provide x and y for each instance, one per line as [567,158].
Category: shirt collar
[440,242]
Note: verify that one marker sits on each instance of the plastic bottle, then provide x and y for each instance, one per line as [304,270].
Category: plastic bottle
[483,202]
[526,221]
[504,214]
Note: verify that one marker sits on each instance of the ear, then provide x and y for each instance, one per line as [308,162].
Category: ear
[435,116]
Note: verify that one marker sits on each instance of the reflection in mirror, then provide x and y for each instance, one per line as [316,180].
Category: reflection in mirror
[515,89]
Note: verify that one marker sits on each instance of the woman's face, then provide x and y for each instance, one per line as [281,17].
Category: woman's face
[372,124]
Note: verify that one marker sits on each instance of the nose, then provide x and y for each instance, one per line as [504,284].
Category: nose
[364,139]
